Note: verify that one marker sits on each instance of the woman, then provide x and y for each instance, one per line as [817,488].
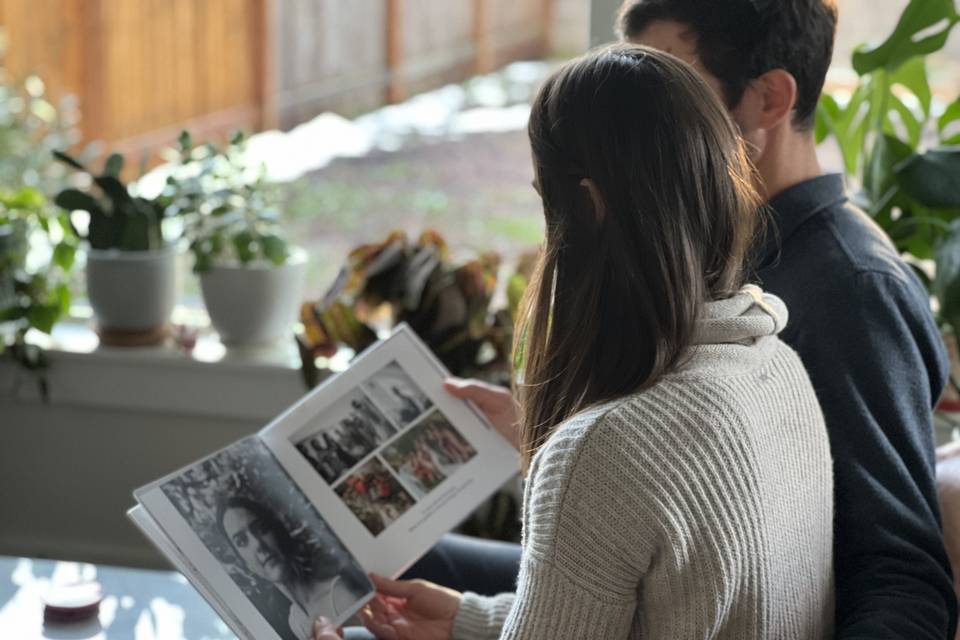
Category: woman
[311,586]
[679,478]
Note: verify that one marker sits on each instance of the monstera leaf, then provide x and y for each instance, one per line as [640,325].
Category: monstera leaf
[923,29]
[946,284]
[932,178]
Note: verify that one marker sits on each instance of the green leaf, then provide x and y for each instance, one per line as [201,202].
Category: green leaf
[62,294]
[275,249]
[26,198]
[185,142]
[828,112]
[202,260]
[135,235]
[243,244]
[880,176]
[64,254]
[43,317]
[113,166]
[75,200]
[946,282]
[102,232]
[115,190]
[237,137]
[950,116]
[10,314]
[906,40]
[932,178]
[852,126]
[67,159]
[913,76]
[913,127]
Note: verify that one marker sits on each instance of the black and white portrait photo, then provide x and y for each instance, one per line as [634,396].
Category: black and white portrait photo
[346,432]
[397,394]
[269,538]
[427,454]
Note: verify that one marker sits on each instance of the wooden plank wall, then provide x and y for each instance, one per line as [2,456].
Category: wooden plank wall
[331,55]
[143,69]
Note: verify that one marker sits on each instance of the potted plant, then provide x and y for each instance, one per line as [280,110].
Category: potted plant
[904,154]
[250,276]
[34,293]
[447,303]
[131,268]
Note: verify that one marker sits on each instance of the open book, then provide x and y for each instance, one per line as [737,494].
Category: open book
[365,473]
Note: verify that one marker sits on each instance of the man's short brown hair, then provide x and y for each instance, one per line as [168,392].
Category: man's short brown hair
[740,40]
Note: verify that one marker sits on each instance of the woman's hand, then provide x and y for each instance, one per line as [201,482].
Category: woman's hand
[496,403]
[410,610]
[324,630]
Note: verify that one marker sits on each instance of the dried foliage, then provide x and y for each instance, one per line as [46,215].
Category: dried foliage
[399,280]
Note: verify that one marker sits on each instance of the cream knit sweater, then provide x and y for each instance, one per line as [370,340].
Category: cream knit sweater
[699,508]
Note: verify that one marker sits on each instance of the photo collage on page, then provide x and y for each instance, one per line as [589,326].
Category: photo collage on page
[383,446]
[269,538]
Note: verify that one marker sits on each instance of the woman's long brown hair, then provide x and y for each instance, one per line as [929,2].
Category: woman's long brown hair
[617,291]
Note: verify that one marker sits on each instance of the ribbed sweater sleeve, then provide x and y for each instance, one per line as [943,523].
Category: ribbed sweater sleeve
[582,561]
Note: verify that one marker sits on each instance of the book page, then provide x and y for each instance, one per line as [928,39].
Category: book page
[390,458]
[257,542]
[155,534]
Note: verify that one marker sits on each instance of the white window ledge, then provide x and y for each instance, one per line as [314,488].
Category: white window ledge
[248,383]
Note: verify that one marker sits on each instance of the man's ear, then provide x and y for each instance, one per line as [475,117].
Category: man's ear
[767,103]
[774,95]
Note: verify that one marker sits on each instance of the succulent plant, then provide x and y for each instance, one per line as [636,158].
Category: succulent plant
[117,219]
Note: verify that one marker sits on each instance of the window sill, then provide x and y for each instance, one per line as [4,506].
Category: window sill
[248,383]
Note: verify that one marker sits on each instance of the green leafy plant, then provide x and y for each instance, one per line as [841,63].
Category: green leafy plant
[227,205]
[37,244]
[30,128]
[900,153]
[34,290]
[117,218]
[448,305]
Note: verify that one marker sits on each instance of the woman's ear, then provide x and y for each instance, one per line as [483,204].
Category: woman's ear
[599,207]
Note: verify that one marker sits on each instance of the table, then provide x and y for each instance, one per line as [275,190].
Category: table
[138,604]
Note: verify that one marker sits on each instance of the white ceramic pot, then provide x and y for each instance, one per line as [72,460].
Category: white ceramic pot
[132,290]
[254,304]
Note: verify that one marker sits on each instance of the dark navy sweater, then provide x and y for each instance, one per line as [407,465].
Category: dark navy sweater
[861,322]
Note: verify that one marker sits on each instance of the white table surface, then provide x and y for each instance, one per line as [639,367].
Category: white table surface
[138,604]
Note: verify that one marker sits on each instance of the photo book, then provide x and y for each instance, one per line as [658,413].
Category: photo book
[363,474]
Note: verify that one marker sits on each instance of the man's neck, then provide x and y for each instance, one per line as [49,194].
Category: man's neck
[789,158]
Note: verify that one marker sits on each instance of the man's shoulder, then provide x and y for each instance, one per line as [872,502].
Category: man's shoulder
[846,241]
[841,254]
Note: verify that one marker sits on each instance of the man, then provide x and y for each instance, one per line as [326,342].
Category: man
[859,319]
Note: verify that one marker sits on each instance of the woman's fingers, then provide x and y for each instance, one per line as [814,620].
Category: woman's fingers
[496,404]
[395,588]
[375,619]
[483,394]
[323,629]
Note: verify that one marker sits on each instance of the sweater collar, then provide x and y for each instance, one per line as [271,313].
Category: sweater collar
[734,336]
[741,319]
